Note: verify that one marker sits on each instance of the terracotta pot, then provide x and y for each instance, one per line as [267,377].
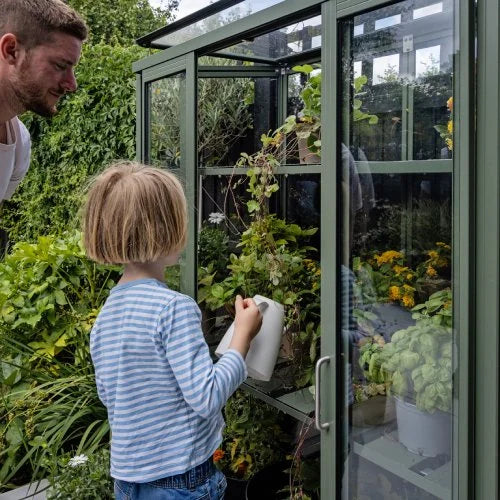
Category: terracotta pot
[378,410]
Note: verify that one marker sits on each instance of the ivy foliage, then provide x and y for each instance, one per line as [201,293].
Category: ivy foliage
[94,126]
[122,21]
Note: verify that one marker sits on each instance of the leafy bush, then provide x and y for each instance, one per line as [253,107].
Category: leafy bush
[418,359]
[82,477]
[50,295]
[94,126]
[125,22]
[253,436]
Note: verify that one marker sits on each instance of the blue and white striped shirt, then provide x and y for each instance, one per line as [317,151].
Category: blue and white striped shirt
[154,374]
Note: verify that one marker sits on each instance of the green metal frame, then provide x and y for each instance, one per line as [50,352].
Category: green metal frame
[476,212]
[486,324]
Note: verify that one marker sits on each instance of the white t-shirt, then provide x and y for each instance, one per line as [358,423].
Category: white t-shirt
[14,157]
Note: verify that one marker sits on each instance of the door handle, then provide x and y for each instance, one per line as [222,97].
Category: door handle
[317,406]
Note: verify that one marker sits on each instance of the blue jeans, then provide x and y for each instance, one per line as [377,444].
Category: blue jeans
[203,482]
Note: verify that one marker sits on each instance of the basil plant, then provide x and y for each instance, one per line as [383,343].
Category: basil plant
[418,360]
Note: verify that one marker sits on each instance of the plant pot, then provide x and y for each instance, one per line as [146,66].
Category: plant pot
[268,483]
[236,488]
[305,155]
[378,410]
[423,433]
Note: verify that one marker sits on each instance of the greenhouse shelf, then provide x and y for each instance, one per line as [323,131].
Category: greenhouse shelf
[380,446]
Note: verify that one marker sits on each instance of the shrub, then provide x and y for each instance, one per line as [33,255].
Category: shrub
[93,127]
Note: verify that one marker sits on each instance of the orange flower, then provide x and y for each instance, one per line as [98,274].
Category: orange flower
[408,301]
[449,103]
[431,271]
[218,454]
[394,293]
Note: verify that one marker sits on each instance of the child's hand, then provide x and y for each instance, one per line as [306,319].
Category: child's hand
[247,323]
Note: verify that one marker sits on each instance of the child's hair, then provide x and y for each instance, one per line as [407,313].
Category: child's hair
[134,213]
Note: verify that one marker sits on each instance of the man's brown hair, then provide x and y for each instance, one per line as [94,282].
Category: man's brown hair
[34,21]
[134,213]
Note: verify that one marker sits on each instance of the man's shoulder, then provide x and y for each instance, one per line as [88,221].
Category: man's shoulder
[21,131]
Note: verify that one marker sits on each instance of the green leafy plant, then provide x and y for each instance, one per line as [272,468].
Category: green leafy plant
[253,436]
[82,477]
[418,360]
[275,261]
[94,126]
[307,126]
[50,294]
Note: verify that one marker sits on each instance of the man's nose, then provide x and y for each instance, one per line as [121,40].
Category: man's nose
[69,83]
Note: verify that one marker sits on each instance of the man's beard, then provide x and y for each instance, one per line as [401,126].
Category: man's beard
[30,96]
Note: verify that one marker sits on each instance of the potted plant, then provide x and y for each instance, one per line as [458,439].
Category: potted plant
[274,261]
[307,126]
[418,364]
[252,439]
[371,405]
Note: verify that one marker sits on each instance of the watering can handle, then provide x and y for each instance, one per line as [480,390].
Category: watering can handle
[262,307]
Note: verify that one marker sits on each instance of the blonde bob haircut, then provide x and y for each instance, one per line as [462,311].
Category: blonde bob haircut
[134,213]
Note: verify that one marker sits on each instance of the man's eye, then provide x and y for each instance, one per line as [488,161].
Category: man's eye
[62,67]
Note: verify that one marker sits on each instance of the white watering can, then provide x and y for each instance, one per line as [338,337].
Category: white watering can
[265,346]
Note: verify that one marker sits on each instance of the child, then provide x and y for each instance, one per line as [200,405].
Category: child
[154,374]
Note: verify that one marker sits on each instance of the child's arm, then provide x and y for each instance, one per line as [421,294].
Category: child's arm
[205,386]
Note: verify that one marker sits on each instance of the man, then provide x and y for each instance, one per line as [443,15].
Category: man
[40,44]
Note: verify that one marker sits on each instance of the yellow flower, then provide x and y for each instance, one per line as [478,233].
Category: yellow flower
[449,103]
[388,256]
[394,293]
[409,276]
[450,127]
[433,254]
[449,144]
[408,301]
[431,271]
[444,245]
[408,288]
[399,269]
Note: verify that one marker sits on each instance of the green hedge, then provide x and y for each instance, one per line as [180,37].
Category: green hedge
[94,126]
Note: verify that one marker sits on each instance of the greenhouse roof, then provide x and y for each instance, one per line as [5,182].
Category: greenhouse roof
[298,37]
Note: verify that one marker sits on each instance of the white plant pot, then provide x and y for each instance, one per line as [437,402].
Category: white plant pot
[264,348]
[423,433]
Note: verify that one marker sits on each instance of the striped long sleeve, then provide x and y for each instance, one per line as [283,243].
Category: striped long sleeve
[155,376]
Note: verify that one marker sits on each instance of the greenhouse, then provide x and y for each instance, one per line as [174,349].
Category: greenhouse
[341,158]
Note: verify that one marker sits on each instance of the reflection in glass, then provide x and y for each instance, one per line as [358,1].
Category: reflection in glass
[395,260]
[210,23]
[294,39]
[165,100]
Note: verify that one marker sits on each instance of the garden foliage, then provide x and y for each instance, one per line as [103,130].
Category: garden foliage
[93,127]
[50,294]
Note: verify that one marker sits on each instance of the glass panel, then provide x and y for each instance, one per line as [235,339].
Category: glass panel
[233,113]
[294,39]
[395,254]
[165,105]
[210,23]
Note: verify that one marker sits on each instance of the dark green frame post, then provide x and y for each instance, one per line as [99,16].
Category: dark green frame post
[330,449]
[463,254]
[190,164]
[487,295]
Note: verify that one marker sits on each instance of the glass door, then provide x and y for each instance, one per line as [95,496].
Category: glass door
[395,177]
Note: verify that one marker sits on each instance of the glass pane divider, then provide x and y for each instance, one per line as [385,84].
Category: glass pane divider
[405,167]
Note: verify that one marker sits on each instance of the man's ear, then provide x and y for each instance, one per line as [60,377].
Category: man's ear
[9,48]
